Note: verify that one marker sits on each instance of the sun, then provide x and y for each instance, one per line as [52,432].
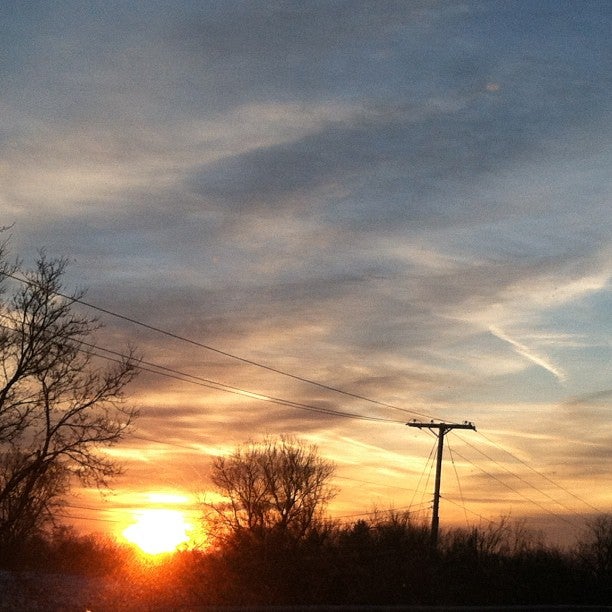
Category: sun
[158,531]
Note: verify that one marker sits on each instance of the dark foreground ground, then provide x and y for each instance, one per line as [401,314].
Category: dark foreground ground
[37,591]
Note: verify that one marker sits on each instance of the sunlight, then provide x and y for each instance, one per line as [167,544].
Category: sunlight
[158,531]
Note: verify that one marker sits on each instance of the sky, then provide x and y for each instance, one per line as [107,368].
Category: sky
[405,201]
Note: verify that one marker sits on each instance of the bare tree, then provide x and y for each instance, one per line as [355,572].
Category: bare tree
[58,407]
[595,546]
[277,484]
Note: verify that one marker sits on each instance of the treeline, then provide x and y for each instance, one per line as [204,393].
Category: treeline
[387,560]
[383,560]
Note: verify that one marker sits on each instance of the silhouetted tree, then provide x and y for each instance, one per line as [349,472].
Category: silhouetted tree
[58,408]
[386,560]
[270,528]
[595,546]
[383,560]
[281,485]
[502,563]
[594,551]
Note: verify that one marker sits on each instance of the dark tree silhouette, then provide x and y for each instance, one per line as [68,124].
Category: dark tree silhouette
[58,407]
[594,552]
[280,485]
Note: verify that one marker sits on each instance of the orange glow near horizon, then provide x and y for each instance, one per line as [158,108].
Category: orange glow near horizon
[156,531]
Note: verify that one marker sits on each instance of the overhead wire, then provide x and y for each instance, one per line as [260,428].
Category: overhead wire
[571,511]
[466,509]
[203,382]
[372,513]
[519,493]
[385,485]
[100,519]
[165,442]
[544,476]
[450,450]
[224,353]
[429,459]
[523,480]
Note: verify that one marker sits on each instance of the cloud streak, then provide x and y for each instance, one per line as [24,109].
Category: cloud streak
[529,354]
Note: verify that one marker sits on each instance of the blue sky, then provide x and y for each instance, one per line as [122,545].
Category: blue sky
[409,201]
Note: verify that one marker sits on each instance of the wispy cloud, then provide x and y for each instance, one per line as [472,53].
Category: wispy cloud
[530,354]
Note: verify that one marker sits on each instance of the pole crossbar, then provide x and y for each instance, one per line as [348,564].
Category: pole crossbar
[442,429]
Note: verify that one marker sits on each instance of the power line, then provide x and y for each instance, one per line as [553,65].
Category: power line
[165,442]
[99,519]
[431,452]
[525,497]
[373,513]
[251,362]
[550,480]
[378,484]
[203,382]
[265,398]
[110,520]
[450,450]
[466,509]
[570,510]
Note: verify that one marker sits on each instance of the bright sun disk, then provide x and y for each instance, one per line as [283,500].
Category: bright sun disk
[158,531]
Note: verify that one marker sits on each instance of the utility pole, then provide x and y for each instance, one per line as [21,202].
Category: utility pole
[440,430]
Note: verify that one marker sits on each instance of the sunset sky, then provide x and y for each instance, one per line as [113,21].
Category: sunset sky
[404,201]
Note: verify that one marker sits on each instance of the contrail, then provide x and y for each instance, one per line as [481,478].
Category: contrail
[528,353]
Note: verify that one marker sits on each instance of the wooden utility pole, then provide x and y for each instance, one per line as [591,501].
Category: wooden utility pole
[440,430]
